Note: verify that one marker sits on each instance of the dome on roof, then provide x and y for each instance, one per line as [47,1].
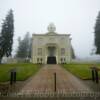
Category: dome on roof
[51,27]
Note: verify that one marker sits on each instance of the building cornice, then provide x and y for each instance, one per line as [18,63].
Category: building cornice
[50,34]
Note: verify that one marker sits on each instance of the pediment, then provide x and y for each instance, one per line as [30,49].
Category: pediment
[51,33]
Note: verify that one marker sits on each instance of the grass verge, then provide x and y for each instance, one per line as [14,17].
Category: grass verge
[24,71]
[82,71]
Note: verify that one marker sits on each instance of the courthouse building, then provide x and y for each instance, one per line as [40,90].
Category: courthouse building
[51,47]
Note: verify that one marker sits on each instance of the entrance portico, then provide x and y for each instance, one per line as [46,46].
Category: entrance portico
[52,53]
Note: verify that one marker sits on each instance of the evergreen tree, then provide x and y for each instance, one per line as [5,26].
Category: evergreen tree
[30,48]
[73,53]
[24,47]
[6,36]
[97,34]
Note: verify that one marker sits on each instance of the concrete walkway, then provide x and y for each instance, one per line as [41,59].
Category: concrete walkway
[43,81]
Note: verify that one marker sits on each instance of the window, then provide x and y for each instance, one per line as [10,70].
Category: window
[63,60]
[39,51]
[41,60]
[62,51]
[37,60]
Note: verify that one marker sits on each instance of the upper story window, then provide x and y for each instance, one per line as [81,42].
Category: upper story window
[39,51]
[62,51]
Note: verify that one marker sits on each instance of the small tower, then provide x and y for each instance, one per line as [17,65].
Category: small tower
[51,28]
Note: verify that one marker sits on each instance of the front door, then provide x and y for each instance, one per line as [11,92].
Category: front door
[51,59]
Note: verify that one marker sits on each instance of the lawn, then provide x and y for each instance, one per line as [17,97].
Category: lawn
[24,71]
[82,71]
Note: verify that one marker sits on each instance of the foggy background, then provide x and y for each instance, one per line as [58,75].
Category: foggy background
[75,17]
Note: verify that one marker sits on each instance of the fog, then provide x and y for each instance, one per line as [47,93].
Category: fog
[75,17]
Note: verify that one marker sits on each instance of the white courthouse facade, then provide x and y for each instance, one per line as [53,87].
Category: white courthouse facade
[51,47]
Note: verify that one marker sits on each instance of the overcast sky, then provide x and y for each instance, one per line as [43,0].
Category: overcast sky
[75,17]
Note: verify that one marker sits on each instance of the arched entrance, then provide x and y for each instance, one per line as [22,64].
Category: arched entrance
[51,59]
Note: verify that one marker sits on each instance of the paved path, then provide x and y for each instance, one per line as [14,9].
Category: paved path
[43,81]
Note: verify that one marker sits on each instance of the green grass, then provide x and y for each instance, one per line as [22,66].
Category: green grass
[24,71]
[82,71]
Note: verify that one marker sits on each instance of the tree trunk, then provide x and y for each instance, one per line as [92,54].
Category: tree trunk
[0,60]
